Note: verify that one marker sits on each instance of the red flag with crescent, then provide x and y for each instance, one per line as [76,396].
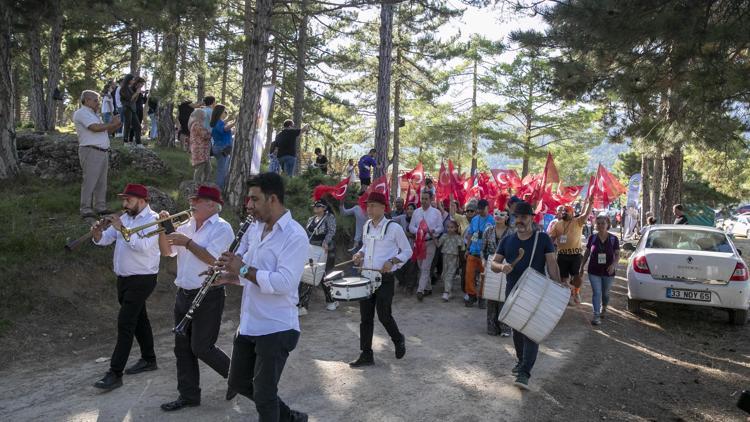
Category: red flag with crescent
[378,185]
[443,188]
[338,191]
[420,242]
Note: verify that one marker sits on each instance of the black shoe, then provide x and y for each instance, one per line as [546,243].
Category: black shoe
[141,366]
[178,404]
[420,296]
[230,394]
[109,382]
[364,359]
[401,347]
[428,292]
[297,416]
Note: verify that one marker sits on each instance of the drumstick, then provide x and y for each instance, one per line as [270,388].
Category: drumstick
[367,269]
[343,263]
[518,258]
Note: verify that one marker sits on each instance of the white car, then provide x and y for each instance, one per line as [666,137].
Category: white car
[695,265]
[740,226]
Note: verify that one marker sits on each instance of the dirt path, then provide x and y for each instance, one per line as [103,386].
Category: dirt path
[674,364]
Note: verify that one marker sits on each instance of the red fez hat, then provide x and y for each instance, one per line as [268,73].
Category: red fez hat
[376,197]
[136,190]
[208,192]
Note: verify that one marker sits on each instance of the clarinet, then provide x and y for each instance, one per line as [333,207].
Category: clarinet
[181,328]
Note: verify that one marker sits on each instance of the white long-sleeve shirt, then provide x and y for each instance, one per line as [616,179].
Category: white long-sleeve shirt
[139,256]
[215,235]
[393,245]
[270,306]
[433,218]
[360,218]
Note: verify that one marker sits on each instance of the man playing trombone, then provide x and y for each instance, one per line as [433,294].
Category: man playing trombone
[197,245]
[136,264]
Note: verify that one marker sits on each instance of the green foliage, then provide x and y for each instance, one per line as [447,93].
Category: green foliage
[628,164]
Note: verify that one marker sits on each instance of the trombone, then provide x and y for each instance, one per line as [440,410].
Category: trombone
[166,224]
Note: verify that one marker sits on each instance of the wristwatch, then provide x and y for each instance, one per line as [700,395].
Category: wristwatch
[243,270]
[392,261]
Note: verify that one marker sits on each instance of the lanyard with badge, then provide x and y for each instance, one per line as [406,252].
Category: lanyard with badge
[564,236]
[601,257]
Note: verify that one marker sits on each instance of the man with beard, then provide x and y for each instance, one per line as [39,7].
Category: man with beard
[540,253]
[567,235]
[136,263]
[269,270]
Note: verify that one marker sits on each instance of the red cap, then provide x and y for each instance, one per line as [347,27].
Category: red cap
[376,197]
[136,190]
[208,192]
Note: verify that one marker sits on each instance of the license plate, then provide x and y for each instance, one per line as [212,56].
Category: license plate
[688,295]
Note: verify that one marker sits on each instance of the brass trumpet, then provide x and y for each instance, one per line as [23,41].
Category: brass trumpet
[103,223]
[166,224]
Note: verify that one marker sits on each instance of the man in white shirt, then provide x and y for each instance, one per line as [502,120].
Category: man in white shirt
[197,244]
[270,270]
[93,153]
[136,264]
[385,247]
[434,221]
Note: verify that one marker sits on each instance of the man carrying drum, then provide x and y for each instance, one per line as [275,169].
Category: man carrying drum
[538,253]
[384,249]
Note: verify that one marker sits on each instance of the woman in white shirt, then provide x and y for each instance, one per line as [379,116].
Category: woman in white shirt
[108,106]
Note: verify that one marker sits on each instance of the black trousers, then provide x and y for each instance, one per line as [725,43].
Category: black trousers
[257,363]
[407,275]
[200,341]
[381,302]
[132,320]
[131,126]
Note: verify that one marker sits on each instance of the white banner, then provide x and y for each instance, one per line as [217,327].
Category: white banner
[634,191]
[261,125]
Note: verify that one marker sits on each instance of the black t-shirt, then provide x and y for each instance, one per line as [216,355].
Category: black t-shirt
[184,110]
[153,104]
[681,220]
[286,142]
[125,97]
[322,163]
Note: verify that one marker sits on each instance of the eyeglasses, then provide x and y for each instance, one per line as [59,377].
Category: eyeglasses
[471,211]
[501,214]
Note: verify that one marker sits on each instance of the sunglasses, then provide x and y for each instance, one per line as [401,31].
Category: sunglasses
[471,211]
[501,214]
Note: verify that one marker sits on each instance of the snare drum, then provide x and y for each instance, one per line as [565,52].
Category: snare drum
[313,273]
[354,288]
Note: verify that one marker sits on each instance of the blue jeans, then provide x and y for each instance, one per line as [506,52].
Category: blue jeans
[222,165]
[119,113]
[600,286]
[526,349]
[107,117]
[152,134]
[288,163]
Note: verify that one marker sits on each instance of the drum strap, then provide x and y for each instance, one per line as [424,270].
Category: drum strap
[369,240]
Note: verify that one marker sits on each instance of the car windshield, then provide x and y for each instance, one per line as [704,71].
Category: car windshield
[690,240]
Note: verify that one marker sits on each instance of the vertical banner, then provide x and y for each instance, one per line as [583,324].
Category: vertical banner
[634,191]
[261,124]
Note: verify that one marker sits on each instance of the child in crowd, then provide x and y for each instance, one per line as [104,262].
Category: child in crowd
[452,245]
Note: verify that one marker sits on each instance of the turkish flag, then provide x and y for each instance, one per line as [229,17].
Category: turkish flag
[416,176]
[604,187]
[338,191]
[569,193]
[550,171]
[420,243]
[378,185]
[443,189]
[456,184]
[506,179]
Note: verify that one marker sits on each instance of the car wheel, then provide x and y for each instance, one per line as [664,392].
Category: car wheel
[738,316]
[634,306]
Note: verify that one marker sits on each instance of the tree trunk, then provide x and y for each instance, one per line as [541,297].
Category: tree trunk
[474,135]
[656,175]
[88,68]
[36,96]
[16,91]
[201,85]
[671,184]
[134,52]
[182,68]
[53,63]
[155,77]
[299,86]
[224,73]
[8,155]
[274,81]
[395,186]
[166,74]
[257,32]
[645,188]
[382,105]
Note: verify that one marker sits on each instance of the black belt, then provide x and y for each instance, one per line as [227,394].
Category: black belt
[96,148]
[193,292]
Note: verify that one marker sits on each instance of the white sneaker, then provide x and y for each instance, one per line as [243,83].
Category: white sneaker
[302,311]
[332,306]
[446,296]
